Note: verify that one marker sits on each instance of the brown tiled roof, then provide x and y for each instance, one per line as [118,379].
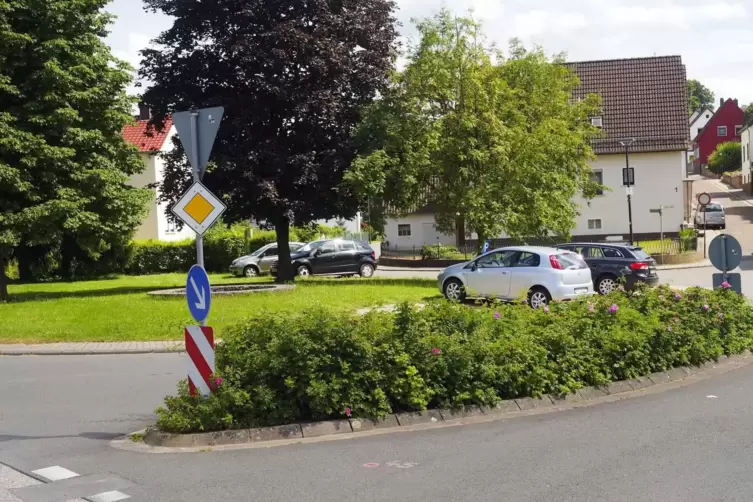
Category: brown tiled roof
[643,98]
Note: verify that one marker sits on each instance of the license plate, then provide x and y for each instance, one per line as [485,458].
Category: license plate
[579,291]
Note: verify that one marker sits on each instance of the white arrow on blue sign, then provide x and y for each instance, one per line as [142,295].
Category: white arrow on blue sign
[198,293]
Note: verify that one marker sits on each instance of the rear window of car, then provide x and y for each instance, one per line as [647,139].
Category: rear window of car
[713,208]
[347,246]
[640,253]
[571,261]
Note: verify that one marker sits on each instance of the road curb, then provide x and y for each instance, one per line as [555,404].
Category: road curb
[82,350]
[154,441]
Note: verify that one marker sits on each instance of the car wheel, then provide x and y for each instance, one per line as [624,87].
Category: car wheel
[606,285]
[366,270]
[250,271]
[454,290]
[302,271]
[538,297]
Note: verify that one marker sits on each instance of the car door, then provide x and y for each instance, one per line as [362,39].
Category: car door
[607,260]
[489,275]
[525,272]
[268,258]
[325,259]
[348,257]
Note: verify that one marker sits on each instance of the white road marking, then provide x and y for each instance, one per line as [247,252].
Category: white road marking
[55,473]
[711,396]
[109,496]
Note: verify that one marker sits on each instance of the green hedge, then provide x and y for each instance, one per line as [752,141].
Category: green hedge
[314,366]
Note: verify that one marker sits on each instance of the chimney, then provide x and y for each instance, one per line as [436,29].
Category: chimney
[721,102]
[144,112]
[736,101]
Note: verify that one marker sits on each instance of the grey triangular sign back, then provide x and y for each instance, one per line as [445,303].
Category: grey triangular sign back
[207,125]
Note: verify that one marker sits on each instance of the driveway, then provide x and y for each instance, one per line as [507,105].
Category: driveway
[738,207]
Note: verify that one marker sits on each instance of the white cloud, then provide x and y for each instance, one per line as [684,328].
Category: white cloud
[136,42]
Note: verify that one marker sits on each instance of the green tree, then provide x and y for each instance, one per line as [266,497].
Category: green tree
[293,77]
[699,96]
[748,114]
[726,158]
[63,162]
[494,144]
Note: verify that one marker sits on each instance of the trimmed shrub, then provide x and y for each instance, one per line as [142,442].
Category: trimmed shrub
[317,365]
[439,252]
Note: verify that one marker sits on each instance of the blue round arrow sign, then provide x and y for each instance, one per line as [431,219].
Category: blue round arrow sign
[198,293]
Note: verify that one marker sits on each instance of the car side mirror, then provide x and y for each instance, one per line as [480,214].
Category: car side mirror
[474,267]
[315,253]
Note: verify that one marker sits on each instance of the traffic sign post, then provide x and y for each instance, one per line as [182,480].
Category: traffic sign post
[725,254]
[199,209]
[704,200]
[660,212]
[628,181]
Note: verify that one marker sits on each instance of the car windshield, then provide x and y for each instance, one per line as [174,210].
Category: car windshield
[714,208]
[571,261]
[259,251]
[307,248]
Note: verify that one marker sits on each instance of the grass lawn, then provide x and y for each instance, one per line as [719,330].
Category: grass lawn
[119,309]
[654,247]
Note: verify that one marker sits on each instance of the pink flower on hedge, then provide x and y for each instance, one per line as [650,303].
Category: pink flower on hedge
[669,328]
[591,307]
[546,310]
[726,285]
[436,351]
[347,412]
[678,297]
[218,381]
[613,309]
[705,308]
[497,315]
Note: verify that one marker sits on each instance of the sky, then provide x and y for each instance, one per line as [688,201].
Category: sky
[714,37]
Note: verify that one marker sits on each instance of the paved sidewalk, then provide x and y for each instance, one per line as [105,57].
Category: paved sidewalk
[86,348]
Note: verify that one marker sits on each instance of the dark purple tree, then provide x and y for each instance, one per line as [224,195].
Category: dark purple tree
[294,77]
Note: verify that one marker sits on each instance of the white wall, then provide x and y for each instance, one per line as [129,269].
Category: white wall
[149,227]
[658,181]
[700,123]
[167,231]
[422,229]
[746,145]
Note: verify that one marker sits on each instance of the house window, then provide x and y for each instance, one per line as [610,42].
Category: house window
[598,177]
[594,224]
[171,228]
[403,230]
[721,131]
[738,130]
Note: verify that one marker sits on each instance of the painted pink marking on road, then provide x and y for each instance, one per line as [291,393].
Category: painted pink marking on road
[371,465]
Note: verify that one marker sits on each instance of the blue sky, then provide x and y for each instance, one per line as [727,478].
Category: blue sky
[712,36]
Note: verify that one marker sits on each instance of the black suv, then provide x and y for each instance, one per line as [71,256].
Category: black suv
[333,257]
[609,263]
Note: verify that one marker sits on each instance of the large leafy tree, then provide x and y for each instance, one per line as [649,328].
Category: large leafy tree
[64,165]
[699,96]
[293,76]
[494,144]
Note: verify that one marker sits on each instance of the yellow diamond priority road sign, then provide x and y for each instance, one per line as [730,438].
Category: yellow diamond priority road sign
[199,208]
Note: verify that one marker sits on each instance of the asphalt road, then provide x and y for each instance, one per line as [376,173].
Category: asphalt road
[677,445]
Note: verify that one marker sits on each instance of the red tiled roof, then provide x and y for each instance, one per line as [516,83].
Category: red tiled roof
[146,140]
[643,98]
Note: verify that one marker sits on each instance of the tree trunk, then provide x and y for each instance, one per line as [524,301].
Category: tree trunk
[480,241]
[460,232]
[3,280]
[284,267]
[67,258]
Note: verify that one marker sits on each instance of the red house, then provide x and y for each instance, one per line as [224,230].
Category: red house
[724,126]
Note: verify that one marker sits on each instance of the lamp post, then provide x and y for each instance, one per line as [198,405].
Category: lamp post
[628,181]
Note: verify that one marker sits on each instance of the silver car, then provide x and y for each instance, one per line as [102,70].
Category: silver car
[541,274]
[258,262]
[710,216]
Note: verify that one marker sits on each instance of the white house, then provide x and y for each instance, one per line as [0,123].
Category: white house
[746,145]
[644,99]
[698,121]
[150,144]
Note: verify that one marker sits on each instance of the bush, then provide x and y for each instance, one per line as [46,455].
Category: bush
[726,158]
[314,366]
[440,252]
[688,240]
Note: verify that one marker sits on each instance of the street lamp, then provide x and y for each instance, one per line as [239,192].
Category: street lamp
[628,181]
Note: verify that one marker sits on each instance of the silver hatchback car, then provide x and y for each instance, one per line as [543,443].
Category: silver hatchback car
[711,216]
[541,274]
[258,262]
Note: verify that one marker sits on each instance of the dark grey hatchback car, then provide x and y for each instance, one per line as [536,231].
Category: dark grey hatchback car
[611,263]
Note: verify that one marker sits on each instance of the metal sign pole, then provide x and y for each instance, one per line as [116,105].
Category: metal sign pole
[630,218]
[661,232]
[705,230]
[196,177]
[724,256]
